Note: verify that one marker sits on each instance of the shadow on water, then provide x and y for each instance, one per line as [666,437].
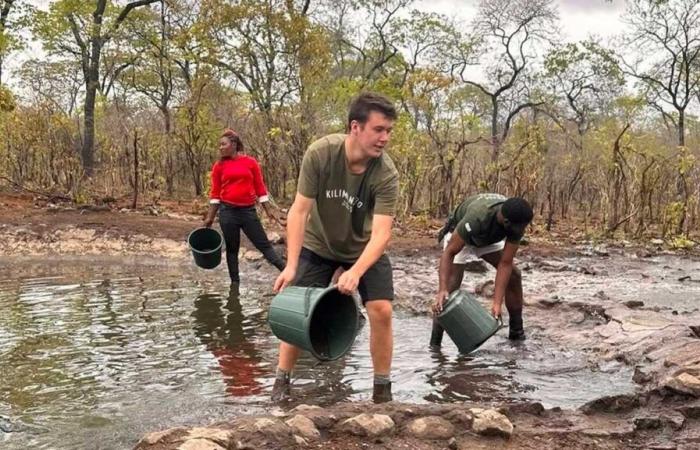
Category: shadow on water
[106,354]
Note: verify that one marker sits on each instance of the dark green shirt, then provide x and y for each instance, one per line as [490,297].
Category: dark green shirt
[340,224]
[477,223]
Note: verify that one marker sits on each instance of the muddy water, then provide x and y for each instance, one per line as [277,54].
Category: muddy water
[96,353]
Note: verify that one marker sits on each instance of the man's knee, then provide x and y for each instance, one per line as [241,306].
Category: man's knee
[379,312]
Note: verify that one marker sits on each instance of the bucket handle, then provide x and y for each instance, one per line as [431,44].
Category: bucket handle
[500,322]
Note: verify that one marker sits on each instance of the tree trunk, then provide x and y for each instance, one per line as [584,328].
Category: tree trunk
[169,162]
[495,146]
[88,150]
[134,202]
[681,191]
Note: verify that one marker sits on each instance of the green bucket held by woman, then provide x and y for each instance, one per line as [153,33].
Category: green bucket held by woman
[322,321]
[205,244]
[466,321]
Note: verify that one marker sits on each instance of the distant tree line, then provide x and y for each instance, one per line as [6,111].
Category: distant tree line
[130,97]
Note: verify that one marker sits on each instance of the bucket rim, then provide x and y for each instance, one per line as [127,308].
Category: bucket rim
[200,252]
[325,291]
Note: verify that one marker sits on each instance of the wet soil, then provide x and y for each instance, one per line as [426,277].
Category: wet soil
[619,304]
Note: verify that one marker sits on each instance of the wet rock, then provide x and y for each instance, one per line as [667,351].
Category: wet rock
[684,383]
[611,403]
[647,423]
[489,422]
[550,302]
[601,295]
[476,266]
[642,375]
[431,427]
[552,266]
[687,355]
[300,441]
[252,255]
[162,437]
[485,289]
[611,430]
[274,237]
[459,416]
[368,425]
[691,410]
[586,270]
[217,435]
[675,420]
[304,427]
[534,408]
[695,329]
[633,304]
[601,250]
[321,417]
[200,444]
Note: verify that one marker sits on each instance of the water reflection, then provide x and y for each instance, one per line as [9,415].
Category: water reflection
[90,355]
[223,334]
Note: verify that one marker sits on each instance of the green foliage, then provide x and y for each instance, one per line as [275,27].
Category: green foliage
[681,242]
[7,100]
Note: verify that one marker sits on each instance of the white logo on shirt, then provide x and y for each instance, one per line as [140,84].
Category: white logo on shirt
[348,201]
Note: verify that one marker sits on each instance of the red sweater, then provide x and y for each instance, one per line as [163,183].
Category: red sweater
[237,181]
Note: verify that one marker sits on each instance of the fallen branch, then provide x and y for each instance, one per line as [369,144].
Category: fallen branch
[49,197]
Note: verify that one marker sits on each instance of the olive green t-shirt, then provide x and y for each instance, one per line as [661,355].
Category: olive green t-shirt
[477,223]
[340,224]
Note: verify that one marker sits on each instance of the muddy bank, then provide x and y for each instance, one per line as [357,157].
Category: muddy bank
[659,424]
[626,305]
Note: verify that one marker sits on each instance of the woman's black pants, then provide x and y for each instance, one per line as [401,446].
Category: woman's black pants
[233,219]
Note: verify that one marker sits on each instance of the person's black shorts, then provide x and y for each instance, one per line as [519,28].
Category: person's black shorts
[316,271]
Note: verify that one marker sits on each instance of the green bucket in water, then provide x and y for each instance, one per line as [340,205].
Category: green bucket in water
[466,321]
[205,244]
[322,321]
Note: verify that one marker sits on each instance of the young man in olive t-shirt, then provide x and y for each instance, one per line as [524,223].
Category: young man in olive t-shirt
[489,226]
[341,218]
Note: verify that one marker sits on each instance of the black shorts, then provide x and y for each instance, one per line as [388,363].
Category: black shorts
[316,271]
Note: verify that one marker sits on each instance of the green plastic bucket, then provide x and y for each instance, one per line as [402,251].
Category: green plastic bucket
[466,321]
[205,244]
[322,321]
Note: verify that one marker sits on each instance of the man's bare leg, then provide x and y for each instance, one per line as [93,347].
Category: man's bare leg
[514,297]
[381,346]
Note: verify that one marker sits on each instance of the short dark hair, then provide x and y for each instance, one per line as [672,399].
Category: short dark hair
[366,102]
[517,210]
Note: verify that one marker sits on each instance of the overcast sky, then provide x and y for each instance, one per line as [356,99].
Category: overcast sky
[579,19]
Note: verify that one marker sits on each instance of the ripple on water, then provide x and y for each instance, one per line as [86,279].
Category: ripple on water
[106,356]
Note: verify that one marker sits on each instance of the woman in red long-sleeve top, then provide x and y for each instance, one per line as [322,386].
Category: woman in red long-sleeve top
[236,186]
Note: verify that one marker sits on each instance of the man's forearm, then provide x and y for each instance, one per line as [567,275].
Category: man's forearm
[502,276]
[296,223]
[444,270]
[373,251]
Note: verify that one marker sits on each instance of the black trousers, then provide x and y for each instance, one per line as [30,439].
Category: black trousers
[233,219]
